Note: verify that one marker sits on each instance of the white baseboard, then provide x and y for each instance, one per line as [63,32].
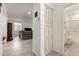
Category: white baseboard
[35,52]
[48,52]
[59,52]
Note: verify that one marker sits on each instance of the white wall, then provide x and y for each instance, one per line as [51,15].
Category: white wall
[36,30]
[74,30]
[73,26]
[0,36]
[25,23]
[71,23]
[3,30]
[3,26]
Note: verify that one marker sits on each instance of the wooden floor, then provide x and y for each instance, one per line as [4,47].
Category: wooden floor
[18,47]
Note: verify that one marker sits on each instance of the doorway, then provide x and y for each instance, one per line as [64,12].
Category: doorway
[18,43]
[71,30]
[19,30]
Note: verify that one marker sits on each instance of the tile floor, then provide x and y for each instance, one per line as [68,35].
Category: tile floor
[53,53]
[18,47]
[73,49]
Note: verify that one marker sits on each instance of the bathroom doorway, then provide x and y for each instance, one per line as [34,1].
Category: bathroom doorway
[71,30]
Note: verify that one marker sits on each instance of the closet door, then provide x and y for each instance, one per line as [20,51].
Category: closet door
[48,29]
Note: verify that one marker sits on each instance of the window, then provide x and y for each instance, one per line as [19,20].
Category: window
[17,26]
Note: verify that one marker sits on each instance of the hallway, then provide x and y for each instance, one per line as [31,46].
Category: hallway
[18,47]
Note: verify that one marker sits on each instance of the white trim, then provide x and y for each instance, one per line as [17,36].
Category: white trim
[42,52]
[35,52]
[59,53]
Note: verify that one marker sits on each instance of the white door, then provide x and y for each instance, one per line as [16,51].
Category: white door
[48,29]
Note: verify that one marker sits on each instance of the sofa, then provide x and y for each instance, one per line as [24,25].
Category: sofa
[25,34]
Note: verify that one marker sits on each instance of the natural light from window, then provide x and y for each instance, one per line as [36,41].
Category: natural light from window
[17,26]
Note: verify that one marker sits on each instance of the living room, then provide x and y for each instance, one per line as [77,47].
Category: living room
[19,30]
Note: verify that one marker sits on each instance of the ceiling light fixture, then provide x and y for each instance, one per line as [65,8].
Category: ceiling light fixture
[77,12]
[28,13]
[76,16]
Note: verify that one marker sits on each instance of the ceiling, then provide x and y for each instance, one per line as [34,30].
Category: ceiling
[61,4]
[72,11]
[19,10]
[66,4]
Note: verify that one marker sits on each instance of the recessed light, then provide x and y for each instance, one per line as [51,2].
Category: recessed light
[28,13]
[76,11]
[76,16]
